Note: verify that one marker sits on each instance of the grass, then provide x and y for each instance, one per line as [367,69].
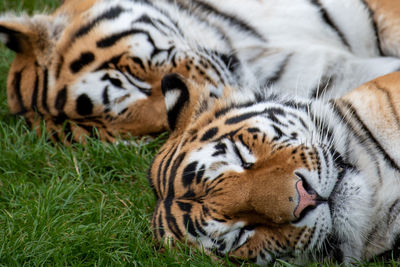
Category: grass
[79,205]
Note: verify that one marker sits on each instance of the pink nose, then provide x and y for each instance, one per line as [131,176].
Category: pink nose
[305,199]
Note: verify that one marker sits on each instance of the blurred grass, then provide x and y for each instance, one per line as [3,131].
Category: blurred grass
[79,205]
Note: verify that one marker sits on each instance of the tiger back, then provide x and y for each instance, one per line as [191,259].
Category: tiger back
[94,68]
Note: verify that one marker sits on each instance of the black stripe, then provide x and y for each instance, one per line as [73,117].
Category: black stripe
[138,61]
[271,115]
[13,38]
[168,202]
[61,100]
[199,228]
[230,60]
[328,20]
[185,206]
[112,39]
[232,19]
[84,105]
[188,223]
[170,156]
[83,60]
[225,110]
[324,86]
[110,14]
[174,82]
[113,61]
[35,93]
[159,187]
[374,26]
[275,77]
[161,231]
[189,173]
[106,99]
[16,83]
[59,67]
[114,81]
[354,115]
[146,91]
[321,126]
[209,134]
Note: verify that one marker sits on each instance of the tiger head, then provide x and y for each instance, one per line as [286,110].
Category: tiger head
[251,179]
[99,63]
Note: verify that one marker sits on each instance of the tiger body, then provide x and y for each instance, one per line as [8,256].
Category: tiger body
[281,178]
[96,66]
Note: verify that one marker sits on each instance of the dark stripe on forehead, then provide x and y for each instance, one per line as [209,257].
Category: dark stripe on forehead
[328,20]
[110,14]
[16,83]
[84,60]
[209,134]
[112,39]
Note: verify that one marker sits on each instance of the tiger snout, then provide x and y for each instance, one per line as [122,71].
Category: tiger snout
[269,197]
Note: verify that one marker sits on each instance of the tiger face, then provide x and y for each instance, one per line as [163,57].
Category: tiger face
[98,64]
[256,181]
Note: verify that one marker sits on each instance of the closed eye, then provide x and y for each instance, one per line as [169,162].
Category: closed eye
[243,153]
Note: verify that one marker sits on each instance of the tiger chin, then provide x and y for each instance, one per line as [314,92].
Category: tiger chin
[266,177]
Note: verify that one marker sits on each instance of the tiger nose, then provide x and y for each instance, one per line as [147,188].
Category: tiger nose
[306,199]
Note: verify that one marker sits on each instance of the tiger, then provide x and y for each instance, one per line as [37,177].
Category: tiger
[93,68]
[269,177]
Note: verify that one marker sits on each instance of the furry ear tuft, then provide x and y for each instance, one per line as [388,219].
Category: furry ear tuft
[15,36]
[30,35]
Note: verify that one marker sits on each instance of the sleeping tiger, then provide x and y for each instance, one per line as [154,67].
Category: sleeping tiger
[269,177]
[93,67]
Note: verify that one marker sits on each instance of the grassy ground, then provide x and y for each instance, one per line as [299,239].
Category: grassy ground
[79,205]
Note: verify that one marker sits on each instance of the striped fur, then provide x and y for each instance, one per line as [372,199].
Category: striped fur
[228,179]
[93,67]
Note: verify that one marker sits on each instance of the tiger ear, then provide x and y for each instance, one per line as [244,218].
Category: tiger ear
[176,94]
[28,35]
[16,35]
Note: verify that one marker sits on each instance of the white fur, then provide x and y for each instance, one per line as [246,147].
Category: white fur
[171,97]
